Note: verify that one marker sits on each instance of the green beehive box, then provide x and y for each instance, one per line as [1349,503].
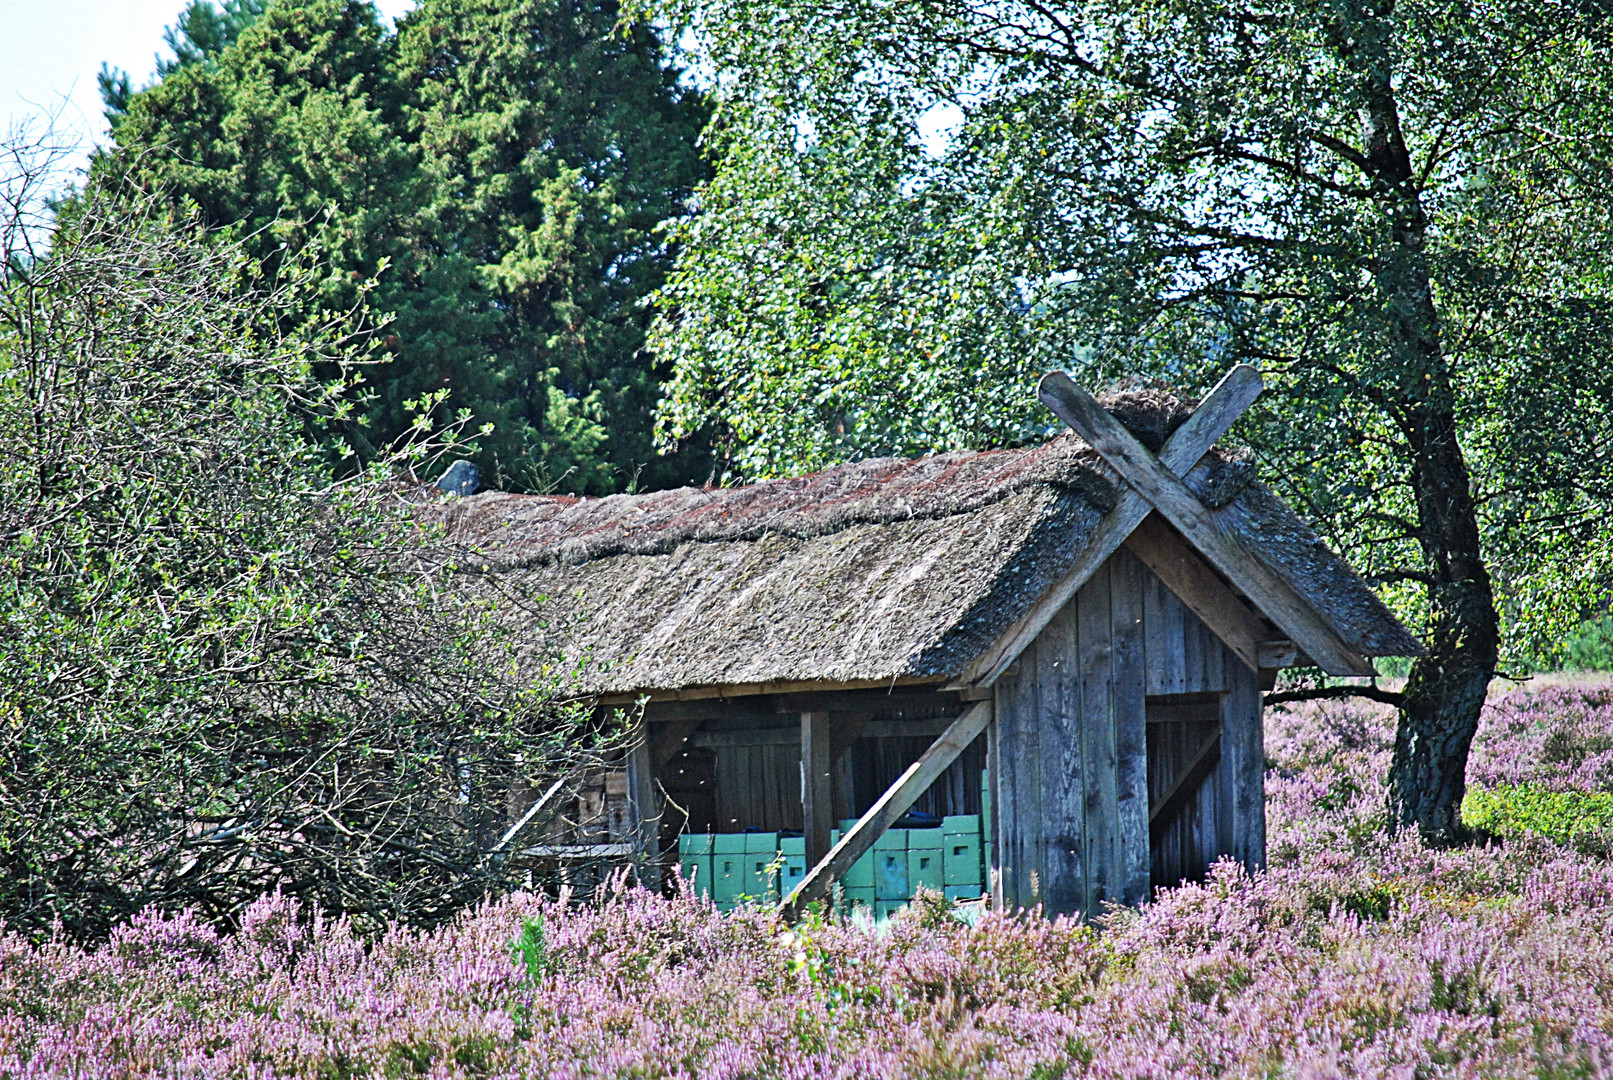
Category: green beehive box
[695,844]
[884,909]
[923,838]
[727,877]
[861,874]
[846,824]
[961,823]
[728,843]
[924,869]
[761,841]
[964,892]
[696,873]
[759,875]
[890,875]
[892,840]
[859,898]
[793,848]
[962,860]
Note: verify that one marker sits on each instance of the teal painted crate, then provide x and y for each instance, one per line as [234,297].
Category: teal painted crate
[890,875]
[793,849]
[728,844]
[924,869]
[960,823]
[964,892]
[761,876]
[924,838]
[761,841]
[696,873]
[962,860]
[884,909]
[696,844]
[694,863]
[854,900]
[727,877]
[861,874]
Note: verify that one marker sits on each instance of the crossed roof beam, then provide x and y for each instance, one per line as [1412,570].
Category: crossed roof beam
[1154,485]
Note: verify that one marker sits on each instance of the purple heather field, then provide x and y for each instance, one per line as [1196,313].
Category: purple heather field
[1352,956]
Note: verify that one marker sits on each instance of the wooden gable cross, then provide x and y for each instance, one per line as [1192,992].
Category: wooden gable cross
[1156,483]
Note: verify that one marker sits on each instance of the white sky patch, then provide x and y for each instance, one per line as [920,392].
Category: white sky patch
[51,51]
[938,126]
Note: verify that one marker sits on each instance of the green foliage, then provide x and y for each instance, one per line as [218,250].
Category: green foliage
[1590,648]
[506,161]
[225,670]
[531,947]
[1568,817]
[919,208]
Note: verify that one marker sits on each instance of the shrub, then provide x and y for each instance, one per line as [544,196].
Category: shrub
[228,667]
[1514,809]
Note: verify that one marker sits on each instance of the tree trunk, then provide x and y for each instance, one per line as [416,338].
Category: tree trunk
[1446,690]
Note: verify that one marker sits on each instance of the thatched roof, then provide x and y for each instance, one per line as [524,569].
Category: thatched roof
[890,569]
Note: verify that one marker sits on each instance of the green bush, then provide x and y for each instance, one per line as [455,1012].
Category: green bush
[1590,648]
[1568,817]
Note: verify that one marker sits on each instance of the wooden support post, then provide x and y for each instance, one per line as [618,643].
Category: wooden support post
[1156,482]
[1211,420]
[646,816]
[817,784]
[890,806]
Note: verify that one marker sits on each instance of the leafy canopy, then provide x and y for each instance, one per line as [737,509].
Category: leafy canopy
[507,160]
[921,207]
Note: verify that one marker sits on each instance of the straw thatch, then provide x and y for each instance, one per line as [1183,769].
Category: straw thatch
[889,569]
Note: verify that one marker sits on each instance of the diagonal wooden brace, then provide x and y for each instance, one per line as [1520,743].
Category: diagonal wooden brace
[1211,420]
[1163,489]
[891,805]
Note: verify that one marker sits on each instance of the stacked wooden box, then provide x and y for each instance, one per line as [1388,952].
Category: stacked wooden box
[738,868]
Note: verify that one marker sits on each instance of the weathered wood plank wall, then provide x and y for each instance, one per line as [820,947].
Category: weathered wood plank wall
[1071,747]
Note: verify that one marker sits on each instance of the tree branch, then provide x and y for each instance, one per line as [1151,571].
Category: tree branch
[1324,693]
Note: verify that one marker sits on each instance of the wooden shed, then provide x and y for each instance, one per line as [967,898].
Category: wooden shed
[1086,625]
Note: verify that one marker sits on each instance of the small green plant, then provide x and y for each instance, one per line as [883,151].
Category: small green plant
[531,947]
[1568,817]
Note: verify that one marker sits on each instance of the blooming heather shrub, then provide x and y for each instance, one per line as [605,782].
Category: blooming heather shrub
[1352,955]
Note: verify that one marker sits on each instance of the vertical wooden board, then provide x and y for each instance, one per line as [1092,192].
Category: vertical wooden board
[1062,884]
[1154,644]
[1027,769]
[1192,650]
[1218,661]
[1104,865]
[646,816]
[1173,664]
[992,814]
[817,785]
[1243,734]
[1015,760]
[1131,722]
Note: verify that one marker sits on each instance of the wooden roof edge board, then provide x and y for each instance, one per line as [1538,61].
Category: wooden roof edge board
[1179,567]
[1163,488]
[896,800]
[1213,418]
[744,690]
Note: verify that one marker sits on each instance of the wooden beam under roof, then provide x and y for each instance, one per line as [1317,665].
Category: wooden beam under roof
[1176,564]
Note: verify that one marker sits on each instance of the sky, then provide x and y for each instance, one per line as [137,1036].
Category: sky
[51,50]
